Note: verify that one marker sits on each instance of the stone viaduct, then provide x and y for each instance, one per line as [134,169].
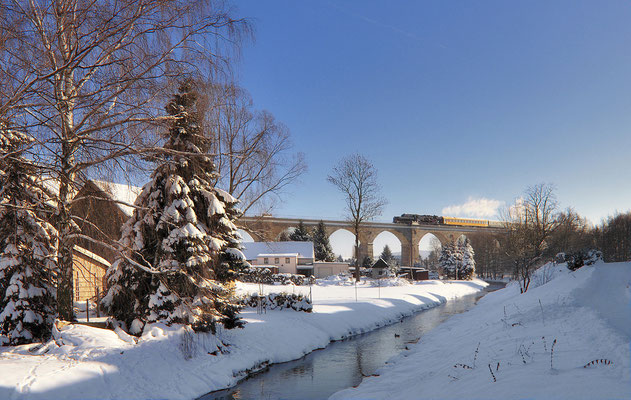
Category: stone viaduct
[269,229]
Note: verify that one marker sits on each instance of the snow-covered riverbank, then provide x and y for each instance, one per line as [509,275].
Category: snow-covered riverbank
[587,313]
[173,363]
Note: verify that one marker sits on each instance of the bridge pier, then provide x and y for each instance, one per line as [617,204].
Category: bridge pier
[366,238]
[409,247]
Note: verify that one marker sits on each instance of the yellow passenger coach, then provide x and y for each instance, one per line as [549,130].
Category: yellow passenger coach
[465,221]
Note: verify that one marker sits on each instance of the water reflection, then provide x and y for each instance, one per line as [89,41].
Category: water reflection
[342,364]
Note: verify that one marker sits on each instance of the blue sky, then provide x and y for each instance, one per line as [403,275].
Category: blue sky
[454,101]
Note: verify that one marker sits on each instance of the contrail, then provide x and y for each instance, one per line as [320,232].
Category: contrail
[386,26]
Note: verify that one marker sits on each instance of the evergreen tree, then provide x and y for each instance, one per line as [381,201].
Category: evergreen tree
[467,263]
[450,259]
[321,244]
[284,237]
[386,255]
[28,246]
[300,233]
[367,262]
[181,242]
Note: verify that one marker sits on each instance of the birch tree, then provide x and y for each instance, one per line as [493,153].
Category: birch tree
[88,79]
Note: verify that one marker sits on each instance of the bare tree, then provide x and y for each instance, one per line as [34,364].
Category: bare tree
[488,261]
[572,234]
[89,79]
[431,259]
[614,238]
[529,225]
[356,177]
[253,151]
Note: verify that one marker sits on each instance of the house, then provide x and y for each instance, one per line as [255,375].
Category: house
[288,257]
[380,269]
[415,273]
[323,269]
[89,274]
[105,206]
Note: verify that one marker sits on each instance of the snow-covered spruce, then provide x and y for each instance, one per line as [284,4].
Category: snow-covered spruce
[457,260]
[28,246]
[300,233]
[450,259]
[467,266]
[181,242]
[321,244]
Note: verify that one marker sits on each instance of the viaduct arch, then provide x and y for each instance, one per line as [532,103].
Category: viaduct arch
[269,228]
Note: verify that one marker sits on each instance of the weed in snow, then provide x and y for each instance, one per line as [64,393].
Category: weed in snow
[492,374]
[601,361]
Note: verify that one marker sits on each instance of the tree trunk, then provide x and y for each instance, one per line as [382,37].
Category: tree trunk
[65,98]
[357,261]
[65,287]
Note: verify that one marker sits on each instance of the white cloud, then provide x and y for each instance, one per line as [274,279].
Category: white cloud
[474,208]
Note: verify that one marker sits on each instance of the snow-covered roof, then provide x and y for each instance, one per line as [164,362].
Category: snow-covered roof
[94,256]
[273,249]
[279,255]
[122,193]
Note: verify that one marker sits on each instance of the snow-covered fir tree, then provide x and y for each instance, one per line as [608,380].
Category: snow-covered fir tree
[300,233]
[390,259]
[386,255]
[450,260]
[321,244]
[28,246]
[181,243]
[467,265]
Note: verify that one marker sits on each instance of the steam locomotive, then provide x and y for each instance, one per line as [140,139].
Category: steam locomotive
[416,219]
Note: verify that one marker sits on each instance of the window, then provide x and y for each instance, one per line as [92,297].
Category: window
[266,261]
[276,260]
[287,260]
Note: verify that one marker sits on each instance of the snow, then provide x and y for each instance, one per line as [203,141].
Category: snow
[235,253]
[226,196]
[122,193]
[92,255]
[587,313]
[173,363]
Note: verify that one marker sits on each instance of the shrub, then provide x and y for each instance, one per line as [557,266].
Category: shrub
[264,275]
[582,257]
[280,301]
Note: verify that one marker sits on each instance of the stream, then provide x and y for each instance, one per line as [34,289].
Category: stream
[344,363]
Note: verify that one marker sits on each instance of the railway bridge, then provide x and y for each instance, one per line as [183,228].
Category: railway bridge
[264,228]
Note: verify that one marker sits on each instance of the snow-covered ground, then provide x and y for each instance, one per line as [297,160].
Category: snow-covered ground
[503,348]
[86,362]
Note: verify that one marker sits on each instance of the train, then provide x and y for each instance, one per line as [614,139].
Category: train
[416,219]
